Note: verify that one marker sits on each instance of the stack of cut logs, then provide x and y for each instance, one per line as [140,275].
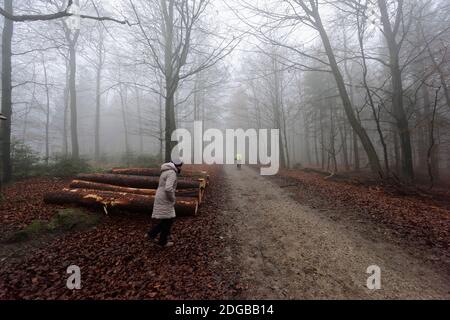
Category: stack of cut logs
[131,190]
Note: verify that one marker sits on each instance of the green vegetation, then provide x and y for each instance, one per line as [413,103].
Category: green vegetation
[24,160]
[65,220]
[66,167]
[27,163]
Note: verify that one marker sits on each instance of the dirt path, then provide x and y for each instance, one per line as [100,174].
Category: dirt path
[289,251]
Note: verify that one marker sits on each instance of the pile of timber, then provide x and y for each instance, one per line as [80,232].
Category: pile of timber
[131,190]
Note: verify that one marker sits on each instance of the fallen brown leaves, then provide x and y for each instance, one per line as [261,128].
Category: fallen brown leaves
[423,218]
[116,260]
[22,202]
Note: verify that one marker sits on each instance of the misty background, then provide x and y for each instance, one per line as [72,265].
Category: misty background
[352,85]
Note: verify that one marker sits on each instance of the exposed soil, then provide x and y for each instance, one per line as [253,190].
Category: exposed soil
[289,250]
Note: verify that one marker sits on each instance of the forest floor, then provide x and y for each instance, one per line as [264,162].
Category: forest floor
[116,259]
[294,235]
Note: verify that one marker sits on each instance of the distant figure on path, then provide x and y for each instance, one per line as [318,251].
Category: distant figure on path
[164,206]
[239,160]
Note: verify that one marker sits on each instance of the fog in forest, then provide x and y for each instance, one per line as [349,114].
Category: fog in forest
[351,85]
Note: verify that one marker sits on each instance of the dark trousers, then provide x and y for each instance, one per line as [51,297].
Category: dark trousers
[163,229]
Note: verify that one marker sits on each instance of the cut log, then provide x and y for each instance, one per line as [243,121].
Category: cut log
[156,172]
[98,199]
[80,184]
[141,182]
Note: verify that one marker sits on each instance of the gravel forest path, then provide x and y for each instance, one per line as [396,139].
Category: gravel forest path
[289,251]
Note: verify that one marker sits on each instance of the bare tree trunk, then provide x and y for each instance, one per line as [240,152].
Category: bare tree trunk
[397,88]
[316,147]
[101,200]
[422,141]
[170,76]
[196,98]
[348,107]
[161,127]
[47,115]
[98,94]
[426,130]
[343,131]
[332,151]
[402,121]
[356,163]
[97,115]
[25,120]
[277,112]
[433,164]
[376,117]
[307,136]
[432,153]
[285,135]
[322,139]
[203,109]
[140,128]
[396,150]
[256,106]
[170,124]
[66,110]
[125,123]
[73,92]
[8,31]
[352,100]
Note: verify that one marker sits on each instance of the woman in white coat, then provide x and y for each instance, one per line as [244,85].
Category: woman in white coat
[164,205]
